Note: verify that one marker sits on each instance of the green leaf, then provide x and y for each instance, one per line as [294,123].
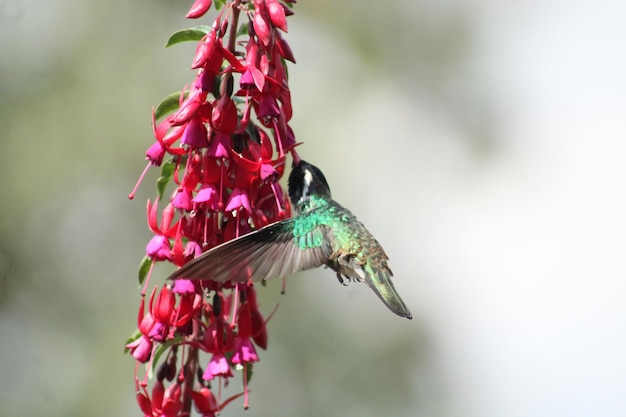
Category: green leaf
[144,268]
[239,100]
[249,371]
[167,171]
[243,30]
[186,35]
[219,3]
[168,105]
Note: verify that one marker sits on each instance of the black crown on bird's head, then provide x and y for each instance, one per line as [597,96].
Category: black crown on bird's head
[306,180]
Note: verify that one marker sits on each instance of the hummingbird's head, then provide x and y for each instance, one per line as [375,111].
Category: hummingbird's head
[306,180]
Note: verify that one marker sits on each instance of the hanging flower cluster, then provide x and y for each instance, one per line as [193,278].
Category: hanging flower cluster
[222,141]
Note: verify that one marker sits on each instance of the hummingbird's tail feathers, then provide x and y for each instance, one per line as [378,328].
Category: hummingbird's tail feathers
[379,280]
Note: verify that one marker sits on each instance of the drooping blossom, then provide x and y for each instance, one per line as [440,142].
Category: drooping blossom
[220,145]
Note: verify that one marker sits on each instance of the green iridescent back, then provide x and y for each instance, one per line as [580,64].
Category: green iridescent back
[343,230]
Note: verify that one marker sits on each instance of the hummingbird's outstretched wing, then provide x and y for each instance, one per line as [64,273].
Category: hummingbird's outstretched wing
[269,252]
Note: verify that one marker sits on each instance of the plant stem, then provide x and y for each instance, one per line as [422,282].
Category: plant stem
[190,375]
[232,35]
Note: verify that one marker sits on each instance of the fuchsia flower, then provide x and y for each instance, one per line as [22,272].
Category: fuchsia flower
[195,134]
[225,165]
[243,348]
[218,366]
[140,348]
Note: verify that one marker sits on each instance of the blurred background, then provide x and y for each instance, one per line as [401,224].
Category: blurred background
[482,142]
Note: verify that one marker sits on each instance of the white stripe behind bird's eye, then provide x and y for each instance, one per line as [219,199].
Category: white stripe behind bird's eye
[308,178]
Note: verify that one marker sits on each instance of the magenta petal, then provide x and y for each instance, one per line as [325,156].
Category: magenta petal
[218,366]
[246,79]
[184,286]
[192,249]
[158,247]
[267,170]
[141,349]
[182,200]
[290,140]
[244,351]
[252,77]
[206,193]
[238,198]
[219,145]
[268,106]
[204,80]
[195,134]
[158,331]
[155,153]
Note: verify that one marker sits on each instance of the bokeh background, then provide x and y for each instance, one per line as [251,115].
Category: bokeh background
[483,143]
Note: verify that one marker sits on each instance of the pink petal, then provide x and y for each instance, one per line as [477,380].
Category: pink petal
[192,249]
[207,193]
[182,200]
[267,170]
[244,351]
[219,145]
[158,247]
[238,198]
[141,349]
[155,153]
[217,366]
[195,134]
[184,286]
[268,107]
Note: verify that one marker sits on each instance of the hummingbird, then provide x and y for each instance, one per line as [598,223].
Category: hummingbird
[322,232]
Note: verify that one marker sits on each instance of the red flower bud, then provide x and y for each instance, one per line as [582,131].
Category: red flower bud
[204,401]
[244,322]
[284,49]
[157,394]
[259,330]
[171,401]
[144,404]
[224,116]
[189,107]
[261,28]
[198,9]
[277,14]
[207,53]
[164,306]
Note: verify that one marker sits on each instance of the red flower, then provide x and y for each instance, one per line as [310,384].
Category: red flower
[159,246]
[225,166]
[140,349]
[243,349]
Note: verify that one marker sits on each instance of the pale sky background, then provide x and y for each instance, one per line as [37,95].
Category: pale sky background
[482,142]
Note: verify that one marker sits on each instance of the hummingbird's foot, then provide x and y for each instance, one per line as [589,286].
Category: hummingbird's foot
[341,279]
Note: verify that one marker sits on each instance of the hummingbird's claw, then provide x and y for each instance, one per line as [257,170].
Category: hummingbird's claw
[341,279]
